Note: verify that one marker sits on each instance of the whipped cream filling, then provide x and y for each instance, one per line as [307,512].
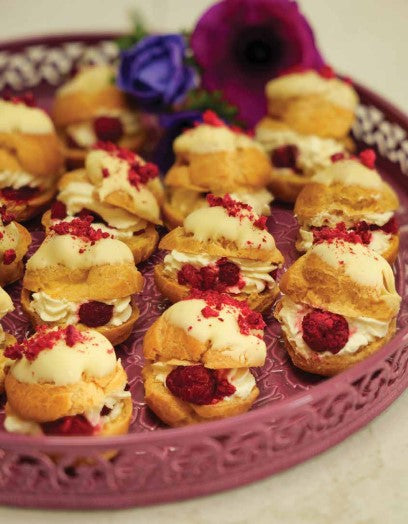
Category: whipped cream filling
[19,179]
[63,311]
[214,223]
[331,220]
[19,118]
[314,151]
[255,274]
[79,195]
[221,333]
[241,378]
[363,330]
[84,134]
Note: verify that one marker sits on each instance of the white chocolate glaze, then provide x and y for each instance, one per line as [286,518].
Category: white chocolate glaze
[349,173]
[89,79]
[66,250]
[19,118]
[10,236]
[143,199]
[256,275]
[63,365]
[311,83]
[6,304]
[214,223]
[221,333]
[363,330]
[210,139]
[259,200]
[15,424]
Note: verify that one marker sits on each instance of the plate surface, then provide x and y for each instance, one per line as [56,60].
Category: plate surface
[297,414]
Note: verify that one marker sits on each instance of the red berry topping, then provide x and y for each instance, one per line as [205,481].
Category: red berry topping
[95,314]
[108,128]
[285,156]
[25,98]
[228,272]
[237,209]
[327,72]
[74,426]
[199,385]
[44,338]
[19,195]
[391,227]
[58,210]
[337,156]
[357,235]
[208,312]
[325,331]
[9,256]
[80,227]
[367,158]
[6,217]
[212,119]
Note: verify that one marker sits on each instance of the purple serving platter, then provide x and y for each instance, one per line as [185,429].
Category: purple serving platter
[297,414]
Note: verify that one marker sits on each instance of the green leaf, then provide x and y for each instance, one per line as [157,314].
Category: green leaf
[201,100]
[138,32]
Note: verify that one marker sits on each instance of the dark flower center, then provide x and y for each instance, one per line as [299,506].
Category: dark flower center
[258,48]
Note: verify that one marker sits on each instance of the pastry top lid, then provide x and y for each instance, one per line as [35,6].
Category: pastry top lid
[116,171]
[76,245]
[230,220]
[17,117]
[62,356]
[310,82]
[6,304]
[222,323]
[212,136]
[88,79]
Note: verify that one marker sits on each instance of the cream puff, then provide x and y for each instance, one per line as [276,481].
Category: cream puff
[121,191]
[90,108]
[6,306]
[225,248]
[199,354]
[30,158]
[313,102]
[14,243]
[66,382]
[295,157]
[84,277]
[213,157]
[339,306]
[349,200]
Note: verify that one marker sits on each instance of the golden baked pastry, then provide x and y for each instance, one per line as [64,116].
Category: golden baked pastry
[82,276]
[199,354]
[313,103]
[295,157]
[30,158]
[6,306]
[349,200]
[89,108]
[120,190]
[339,306]
[66,382]
[225,248]
[14,243]
[212,157]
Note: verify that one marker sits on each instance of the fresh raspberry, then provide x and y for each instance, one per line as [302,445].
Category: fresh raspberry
[9,257]
[391,227]
[58,210]
[74,426]
[94,313]
[6,217]
[208,275]
[189,275]
[194,384]
[326,71]
[285,156]
[367,158]
[223,387]
[20,195]
[108,128]
[337,157]
[228,272]
[212,119]
[325,331]
[25,98]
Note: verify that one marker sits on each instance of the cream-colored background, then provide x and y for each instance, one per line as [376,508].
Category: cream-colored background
[364,480]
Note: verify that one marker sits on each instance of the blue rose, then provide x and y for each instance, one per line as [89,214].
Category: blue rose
[155,73]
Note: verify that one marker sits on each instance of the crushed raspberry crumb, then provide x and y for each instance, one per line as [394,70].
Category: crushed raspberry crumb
[21,194]
[108,128]
[208,312]
[326,71]
[81,228]
[58,210]
[199,385]
[75,426]
[325,331]
[6,217]
[44,338]
[285,156]
[212,119]
[368,158]
[337,157]
[360,235]
[237,209]
[95,313]
[105,172]
[9,256]
[25,98]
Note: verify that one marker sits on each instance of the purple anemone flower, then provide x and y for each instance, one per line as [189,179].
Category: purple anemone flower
[241,44]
